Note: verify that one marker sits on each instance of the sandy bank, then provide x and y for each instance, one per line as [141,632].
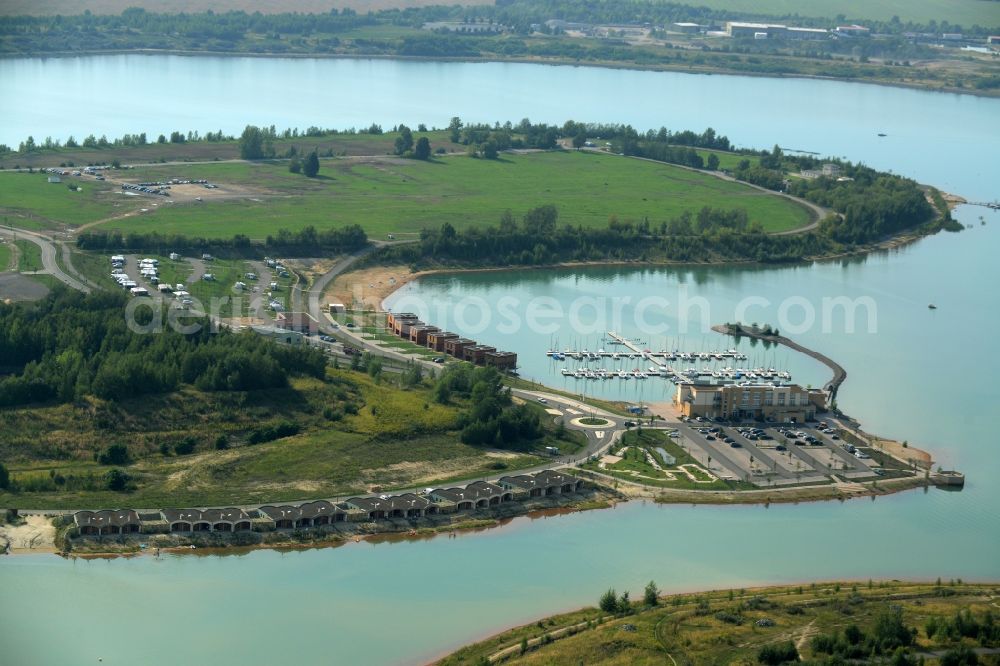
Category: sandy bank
[36,535]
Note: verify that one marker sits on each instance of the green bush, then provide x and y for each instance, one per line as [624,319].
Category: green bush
[778,653]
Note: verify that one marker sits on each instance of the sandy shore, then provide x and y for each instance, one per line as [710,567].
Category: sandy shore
[36,535]
[367,288]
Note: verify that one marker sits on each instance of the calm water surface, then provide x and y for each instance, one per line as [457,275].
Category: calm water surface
[926,376]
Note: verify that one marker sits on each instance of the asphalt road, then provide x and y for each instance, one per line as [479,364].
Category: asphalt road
[48,250]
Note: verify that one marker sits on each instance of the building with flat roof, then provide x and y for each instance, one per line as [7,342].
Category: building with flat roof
[401,324]
[807,33]
[501,360]
[279,334]
[418,334]
[476,353]
[750,401]
[456,346]
[437,339]
[302,322]
[685,27]
[852,30]
[742,29]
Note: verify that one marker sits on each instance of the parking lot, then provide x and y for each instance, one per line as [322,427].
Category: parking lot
[774,455]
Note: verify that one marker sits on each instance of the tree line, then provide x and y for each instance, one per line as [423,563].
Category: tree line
[70,345]
[301,243]
[538,239]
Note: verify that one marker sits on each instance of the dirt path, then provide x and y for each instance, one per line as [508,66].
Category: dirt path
[197,270]
[36,535]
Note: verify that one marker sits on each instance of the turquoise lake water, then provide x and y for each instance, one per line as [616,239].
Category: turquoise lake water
[926,376]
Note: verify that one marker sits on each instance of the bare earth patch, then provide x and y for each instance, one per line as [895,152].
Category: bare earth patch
[367,288]
[37,535]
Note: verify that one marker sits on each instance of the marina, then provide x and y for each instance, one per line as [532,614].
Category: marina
[635,351]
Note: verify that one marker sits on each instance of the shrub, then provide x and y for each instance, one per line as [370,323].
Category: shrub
[778,653]
[116,454]
[185,446]
[118,480]
[608,601]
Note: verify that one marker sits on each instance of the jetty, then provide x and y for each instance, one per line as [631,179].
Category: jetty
[741,330]
[635,351]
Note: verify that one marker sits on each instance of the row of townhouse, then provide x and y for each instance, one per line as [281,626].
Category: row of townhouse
[406,325]
[474,496]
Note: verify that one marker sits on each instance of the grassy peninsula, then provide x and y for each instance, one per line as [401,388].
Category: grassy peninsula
[818,623]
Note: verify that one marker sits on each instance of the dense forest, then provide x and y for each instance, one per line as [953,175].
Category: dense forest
[303,243]
[70,345]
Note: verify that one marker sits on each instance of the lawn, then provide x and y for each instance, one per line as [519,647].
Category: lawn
[28,200]
[398,196]
[6,254]
[29,256]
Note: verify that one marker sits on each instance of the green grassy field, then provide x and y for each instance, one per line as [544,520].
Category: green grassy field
[356,434]
[399,196]
[6,255]
[29,201]
[963,12]
[29,256]
[733,626]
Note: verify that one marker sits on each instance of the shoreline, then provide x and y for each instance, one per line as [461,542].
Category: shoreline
[600,495]
[554,62]
[892,243]
[537,631]
[592,497]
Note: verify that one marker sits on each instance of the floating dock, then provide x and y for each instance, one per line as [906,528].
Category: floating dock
[634,351]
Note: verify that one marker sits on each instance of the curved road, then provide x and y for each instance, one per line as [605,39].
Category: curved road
[48,248]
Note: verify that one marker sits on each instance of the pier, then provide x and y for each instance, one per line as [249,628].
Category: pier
[635,351]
